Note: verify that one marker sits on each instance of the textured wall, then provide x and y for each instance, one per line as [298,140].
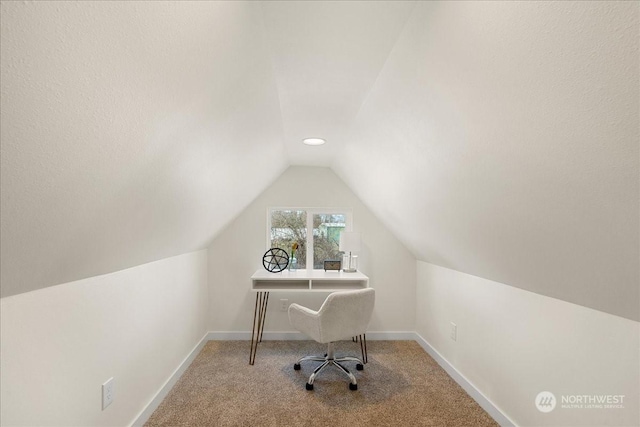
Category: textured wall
[131,132]
[501,140]
[513,344]
[61,343]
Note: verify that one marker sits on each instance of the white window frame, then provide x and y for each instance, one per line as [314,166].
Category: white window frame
[347,212]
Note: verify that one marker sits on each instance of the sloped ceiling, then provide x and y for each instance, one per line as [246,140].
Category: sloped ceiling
[131,131]
[498,139]
[326,57]
[502,140]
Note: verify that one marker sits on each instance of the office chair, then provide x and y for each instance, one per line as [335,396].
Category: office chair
[343,315]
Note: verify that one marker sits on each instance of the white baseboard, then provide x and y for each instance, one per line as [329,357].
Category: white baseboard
[246,336]
[391,336]
[296,336]
[168,385]
[475,394]
[467,386]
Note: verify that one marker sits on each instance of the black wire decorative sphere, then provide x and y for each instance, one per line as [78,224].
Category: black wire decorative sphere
[275,260]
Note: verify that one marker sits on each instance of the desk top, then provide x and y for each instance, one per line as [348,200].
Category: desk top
[331,275]
[307,281]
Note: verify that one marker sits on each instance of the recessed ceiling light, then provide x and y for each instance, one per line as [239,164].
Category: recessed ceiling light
[313,141]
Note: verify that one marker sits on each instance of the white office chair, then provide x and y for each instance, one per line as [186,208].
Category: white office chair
[343,315]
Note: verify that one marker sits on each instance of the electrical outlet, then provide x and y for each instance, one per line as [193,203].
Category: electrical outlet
[284,304]
[107,393]
[454,331]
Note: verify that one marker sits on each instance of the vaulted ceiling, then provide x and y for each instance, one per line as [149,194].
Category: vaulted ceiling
[500,139]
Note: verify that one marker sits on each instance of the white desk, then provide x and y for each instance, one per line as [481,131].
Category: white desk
[263,282]
[307,281]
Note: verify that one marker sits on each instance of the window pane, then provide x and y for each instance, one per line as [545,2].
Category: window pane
[288,227]
[326,237]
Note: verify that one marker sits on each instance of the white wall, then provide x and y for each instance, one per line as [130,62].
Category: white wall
[61,343]
[504,140]
[513,344]
[148,102]
[237,253]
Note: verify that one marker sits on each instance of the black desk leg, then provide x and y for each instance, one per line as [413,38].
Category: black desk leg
[265,301]
[259,316]
[363,347]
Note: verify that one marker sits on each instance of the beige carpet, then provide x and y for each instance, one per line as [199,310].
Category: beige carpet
[400,386]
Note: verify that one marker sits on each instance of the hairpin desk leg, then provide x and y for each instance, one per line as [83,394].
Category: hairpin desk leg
[259,315]
[265,301]
[363,347]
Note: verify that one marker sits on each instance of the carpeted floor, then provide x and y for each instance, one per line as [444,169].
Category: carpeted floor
[400,386]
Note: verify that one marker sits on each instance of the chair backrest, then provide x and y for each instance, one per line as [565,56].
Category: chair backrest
[346,314]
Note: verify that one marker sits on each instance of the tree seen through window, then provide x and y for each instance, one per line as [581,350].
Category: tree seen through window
[289,226]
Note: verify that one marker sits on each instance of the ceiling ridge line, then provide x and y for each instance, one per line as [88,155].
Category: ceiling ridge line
[269,48]
[384,64]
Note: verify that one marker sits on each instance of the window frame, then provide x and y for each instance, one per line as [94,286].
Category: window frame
[347,212]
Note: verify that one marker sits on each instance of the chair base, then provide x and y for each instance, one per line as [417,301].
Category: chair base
[327,360]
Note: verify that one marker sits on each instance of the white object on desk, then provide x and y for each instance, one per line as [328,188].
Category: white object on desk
[349,242]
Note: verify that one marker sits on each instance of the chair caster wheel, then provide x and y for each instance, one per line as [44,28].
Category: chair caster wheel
[359,366]
[309,386]
[353,386]
[296,366]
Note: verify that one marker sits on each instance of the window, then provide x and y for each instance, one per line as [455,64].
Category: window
[287,226]
[326,237]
